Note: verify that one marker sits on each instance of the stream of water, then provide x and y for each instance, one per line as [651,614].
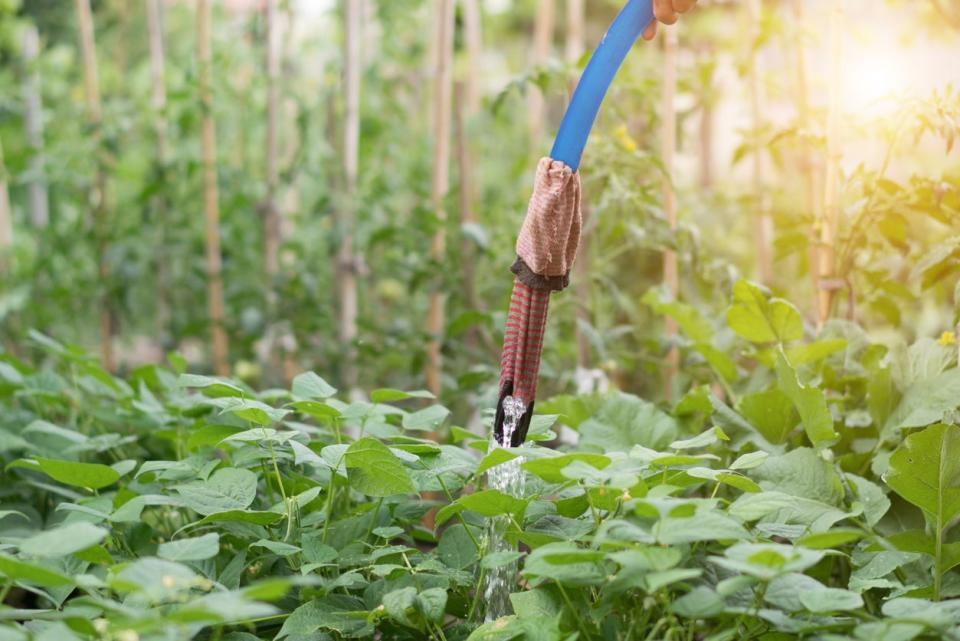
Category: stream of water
[508,478]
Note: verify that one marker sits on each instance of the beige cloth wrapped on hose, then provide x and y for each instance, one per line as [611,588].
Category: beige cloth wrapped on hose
[550,235]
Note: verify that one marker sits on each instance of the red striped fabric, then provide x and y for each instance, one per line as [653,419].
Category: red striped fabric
[523,340]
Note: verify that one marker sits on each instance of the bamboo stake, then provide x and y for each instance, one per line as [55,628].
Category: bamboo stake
[33,124]
[831,199]
[763,231]
[98,197]
[271,214]
[668,143]
[215,305]
[443,85]
[473,41]
[465,192]
[158,101]
[576,17]
[807,165]
[573,50]
[6,218]
[542,37]
[346,265]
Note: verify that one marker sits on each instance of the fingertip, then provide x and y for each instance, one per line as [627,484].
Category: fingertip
[651,31]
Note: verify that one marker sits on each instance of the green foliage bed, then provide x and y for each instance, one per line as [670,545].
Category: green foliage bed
[811,499]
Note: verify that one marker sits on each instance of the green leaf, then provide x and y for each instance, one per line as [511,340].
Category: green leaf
[485,503]
[374,470]
[801,472]
[250,410]
[340,613]
[830,600]
[759,320]
[211,386]
[625,420]
[830,538]
[387,395]
[428,418]
[688,318]
[925,402]
[227,489]
[309,385]
[31,573]
[93,476]
[810,404]
[925,470]
[63,540]
[771,412]
[815,351]
[195,549]
[550,468]
[496,456]
[242,516]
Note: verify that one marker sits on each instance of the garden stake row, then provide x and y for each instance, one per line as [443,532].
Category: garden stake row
[550,234]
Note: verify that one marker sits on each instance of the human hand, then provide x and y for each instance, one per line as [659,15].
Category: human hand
[667,12]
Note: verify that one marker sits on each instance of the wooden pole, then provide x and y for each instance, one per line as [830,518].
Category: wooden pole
[33,125]
[763,226]
[6,217]
[465,192]
[831,198]
[271,214]
[811,175]
[668,141]
[158,101]
[573,50]
[346,265]
[542,37]
[473,42]
[215,304]
[442,89]
[98,197]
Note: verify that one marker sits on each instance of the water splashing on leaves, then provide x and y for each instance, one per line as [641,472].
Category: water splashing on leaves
[507,478]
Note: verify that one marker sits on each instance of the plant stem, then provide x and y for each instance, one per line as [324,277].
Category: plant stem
[573,611]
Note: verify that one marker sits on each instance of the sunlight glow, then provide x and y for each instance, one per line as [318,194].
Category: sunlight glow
[872,76]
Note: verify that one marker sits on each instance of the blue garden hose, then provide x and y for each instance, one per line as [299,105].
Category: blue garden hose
[604,63]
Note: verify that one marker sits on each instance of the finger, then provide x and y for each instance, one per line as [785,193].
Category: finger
[651,31]
[682,6]
[663,10]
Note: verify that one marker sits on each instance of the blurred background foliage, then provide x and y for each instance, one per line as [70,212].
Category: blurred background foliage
[896,244]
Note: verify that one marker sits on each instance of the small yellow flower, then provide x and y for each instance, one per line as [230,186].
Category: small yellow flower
[948,338]
[624,139]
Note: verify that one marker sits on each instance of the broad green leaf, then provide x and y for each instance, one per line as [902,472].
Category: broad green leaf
[815,351]
[309,385]
[340,613]
[93,476]
[374,470]
[195,549]
[830,600]
[550,468]
[925,470]
[277,547]
[227,489]
[250,410]
[801,472]
[211,386]
[749,461]
[496,456]
[63,540]
[759,320]
[830,538]
[625,420]
[705,438]
[429,418]
[771,412]
[386,395]
[767,560]
[688,318]
[699,603]
[485,503]
[924,403]
[810,404]
[31,573]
